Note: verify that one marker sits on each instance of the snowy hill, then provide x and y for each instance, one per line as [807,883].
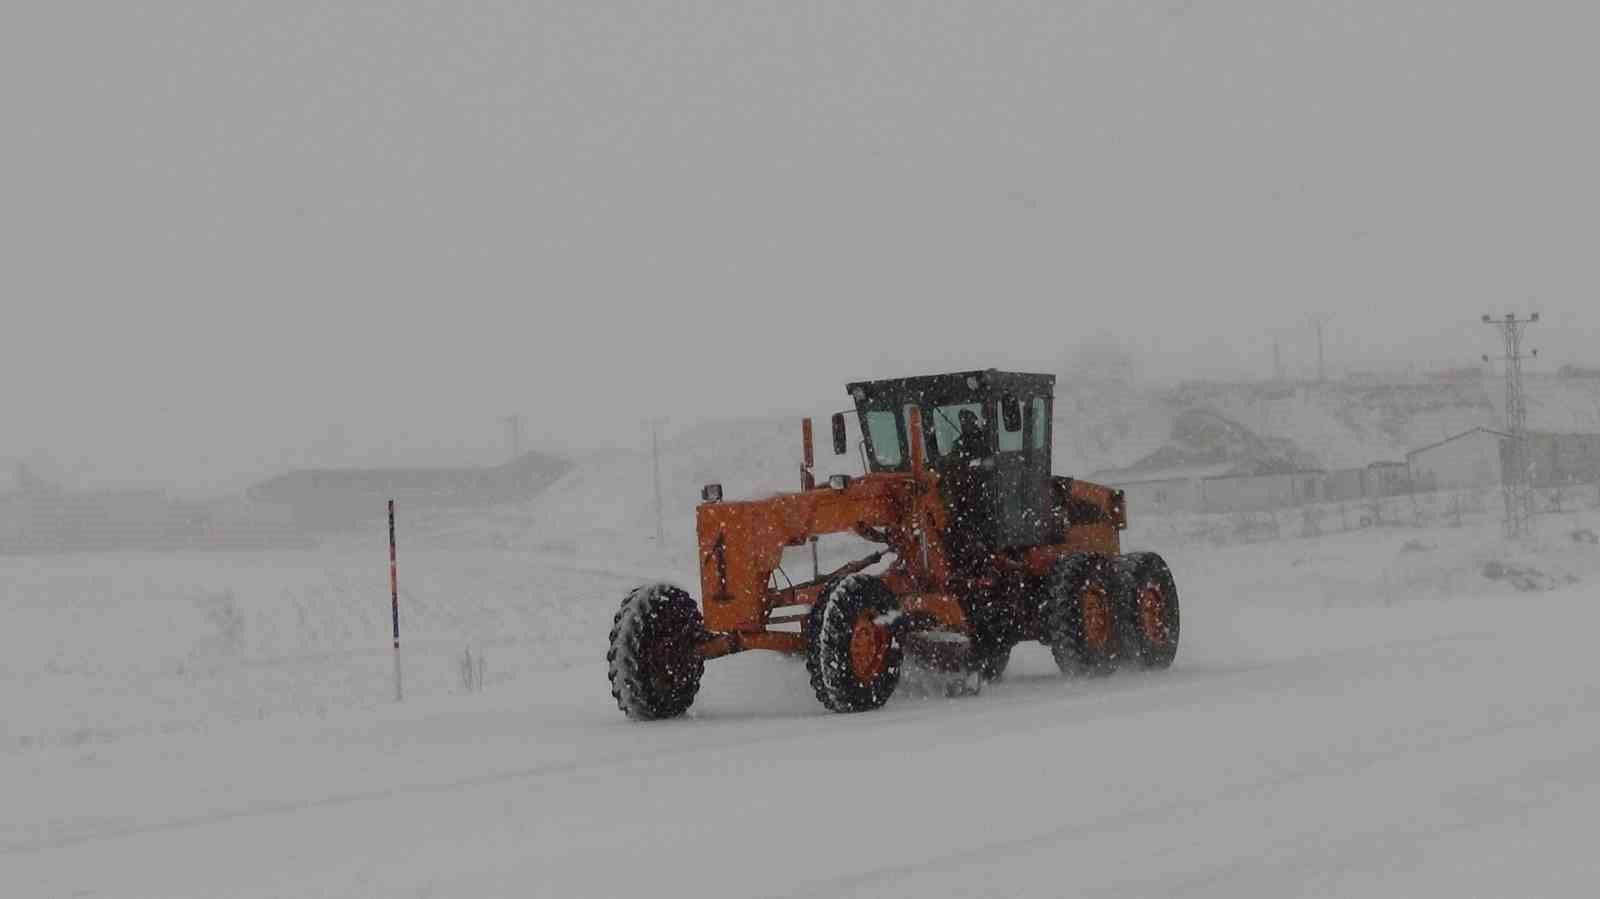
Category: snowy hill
[1260,427]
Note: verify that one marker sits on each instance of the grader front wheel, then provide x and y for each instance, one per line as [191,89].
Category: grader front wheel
[653,663]
[854,651]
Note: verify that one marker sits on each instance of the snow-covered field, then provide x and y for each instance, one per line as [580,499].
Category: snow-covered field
[1357,714]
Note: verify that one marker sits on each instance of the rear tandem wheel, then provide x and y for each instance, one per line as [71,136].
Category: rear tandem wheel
[1079,615]
[1147,598]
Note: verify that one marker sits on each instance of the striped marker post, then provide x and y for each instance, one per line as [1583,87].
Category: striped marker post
[394,603]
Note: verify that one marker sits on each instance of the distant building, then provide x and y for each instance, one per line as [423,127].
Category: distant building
[1232,493]
[340,499]
[1344,485]
[238,523]
[1377,479]
[1161,496]
[39,520]
[1474,458]
[1562,460]
[1387,479]
[16,521]
[1257,493]
[1122,477]
[1466,374]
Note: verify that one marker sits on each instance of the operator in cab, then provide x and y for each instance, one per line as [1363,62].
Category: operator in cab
[964,475]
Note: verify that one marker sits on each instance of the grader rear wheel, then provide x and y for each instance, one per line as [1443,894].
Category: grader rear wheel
[1079,614]
[1148,598]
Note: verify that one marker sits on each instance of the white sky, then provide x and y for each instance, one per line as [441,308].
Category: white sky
[241,235]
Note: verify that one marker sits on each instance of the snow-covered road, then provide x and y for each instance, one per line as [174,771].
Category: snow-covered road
[1444,745]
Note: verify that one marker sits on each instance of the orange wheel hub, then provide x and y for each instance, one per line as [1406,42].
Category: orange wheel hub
[1096,616]
[869,647]
[1152,604]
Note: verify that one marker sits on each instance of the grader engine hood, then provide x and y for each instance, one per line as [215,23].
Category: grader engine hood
[741,543]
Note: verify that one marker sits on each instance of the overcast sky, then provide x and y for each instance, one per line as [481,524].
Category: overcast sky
[239,235]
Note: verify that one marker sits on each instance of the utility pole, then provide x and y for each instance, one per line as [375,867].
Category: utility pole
[655,464]
[1319,322]
[514,431]
[1517,479]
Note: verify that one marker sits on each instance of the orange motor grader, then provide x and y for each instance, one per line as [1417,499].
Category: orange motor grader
[980,547]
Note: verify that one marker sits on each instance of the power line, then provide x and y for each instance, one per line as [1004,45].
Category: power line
[1517,479]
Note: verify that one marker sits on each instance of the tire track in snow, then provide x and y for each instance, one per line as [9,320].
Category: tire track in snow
[1152,691]
[879,878]
[1291,853]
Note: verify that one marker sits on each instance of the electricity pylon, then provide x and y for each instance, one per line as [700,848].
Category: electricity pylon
[1517,478]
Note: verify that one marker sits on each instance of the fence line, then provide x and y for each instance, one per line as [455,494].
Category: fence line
[1441,508]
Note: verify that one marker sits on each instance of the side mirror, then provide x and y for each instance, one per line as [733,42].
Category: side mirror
[1011,413]
[841,442]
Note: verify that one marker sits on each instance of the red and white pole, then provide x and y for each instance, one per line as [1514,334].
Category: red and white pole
[394,603]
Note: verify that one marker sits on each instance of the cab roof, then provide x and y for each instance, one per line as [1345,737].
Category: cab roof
[951,387]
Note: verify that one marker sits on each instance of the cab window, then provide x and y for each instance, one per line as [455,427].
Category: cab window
[947,424]
[883,435]
[1039,422]
[1009,441]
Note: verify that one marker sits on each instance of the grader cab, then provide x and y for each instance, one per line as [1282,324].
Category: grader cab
[976,546]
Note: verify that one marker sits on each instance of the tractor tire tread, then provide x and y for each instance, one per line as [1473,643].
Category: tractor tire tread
[1063,617]
[1128,573]
[829,627]
[663,618]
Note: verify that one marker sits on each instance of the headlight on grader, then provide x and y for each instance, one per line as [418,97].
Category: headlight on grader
[711,493]
[839,481]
